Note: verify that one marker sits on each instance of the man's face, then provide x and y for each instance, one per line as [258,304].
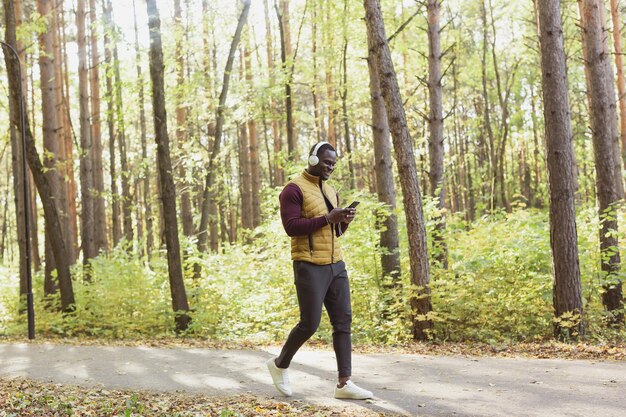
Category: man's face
[326,166]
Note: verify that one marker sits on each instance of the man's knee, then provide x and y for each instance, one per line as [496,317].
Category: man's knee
[342,322]
[308,327]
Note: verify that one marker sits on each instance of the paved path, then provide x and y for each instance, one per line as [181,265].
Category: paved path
[405,384]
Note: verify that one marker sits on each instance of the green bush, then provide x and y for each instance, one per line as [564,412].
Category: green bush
[499,282]
[498,287]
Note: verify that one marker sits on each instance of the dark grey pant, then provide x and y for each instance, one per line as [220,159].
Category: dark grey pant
[317,285]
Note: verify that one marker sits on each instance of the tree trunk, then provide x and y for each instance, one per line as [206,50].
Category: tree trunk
[127,199]
[86,152]
[537,158]
[13,13]
[328,41]
[147,195]
[3,239]
[209,193]
[344,97]
[319,124]
[279,175]
[567,298]
[225,230]
[67,183]
[99,213]
[503,98]
[493,169]
[435,124]
[255,168]
[34,229]
[619,66]
[51,214]
[285,55]
[28,80]
[181,124]
[403,145]
[617,160]
[464,155]
[49,127]
[602,117]
[168,191]
[457,198]
[210,64]
[386,190]
[116,226]
[245,182]
[525,177]
[458,146]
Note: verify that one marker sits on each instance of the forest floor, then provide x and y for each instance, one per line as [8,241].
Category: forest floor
[55,379]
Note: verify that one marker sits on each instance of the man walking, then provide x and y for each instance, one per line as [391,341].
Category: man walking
[311,217]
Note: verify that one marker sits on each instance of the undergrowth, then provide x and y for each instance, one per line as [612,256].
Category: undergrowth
[497,288]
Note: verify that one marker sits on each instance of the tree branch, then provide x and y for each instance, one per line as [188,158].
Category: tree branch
[405,24]
[444,53]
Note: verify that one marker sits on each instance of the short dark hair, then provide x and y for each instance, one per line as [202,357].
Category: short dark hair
[324,147]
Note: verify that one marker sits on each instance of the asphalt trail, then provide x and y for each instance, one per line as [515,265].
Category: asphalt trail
[414,385]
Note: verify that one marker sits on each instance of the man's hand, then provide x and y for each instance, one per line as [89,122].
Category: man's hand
[341,215]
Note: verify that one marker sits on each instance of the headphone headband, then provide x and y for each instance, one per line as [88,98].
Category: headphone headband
[318,146]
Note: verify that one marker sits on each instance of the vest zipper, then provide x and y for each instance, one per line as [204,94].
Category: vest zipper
[332,243]
[311,245]
[332,229]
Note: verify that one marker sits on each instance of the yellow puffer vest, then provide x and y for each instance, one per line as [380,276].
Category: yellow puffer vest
[322,246]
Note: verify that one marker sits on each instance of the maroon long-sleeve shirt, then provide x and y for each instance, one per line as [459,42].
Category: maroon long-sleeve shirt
[291,200]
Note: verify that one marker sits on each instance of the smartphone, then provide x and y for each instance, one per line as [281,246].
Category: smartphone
[353,204]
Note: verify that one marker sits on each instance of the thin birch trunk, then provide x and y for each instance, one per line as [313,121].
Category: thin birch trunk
[435,124]
[99,213]
[181,124]
[253,141]
[168,190]
[116,226]
[86,152]
[245,183]
[344,97]
[146,188]
[328,40]
[279,175]
[127,199]
[17,151]
[286,57]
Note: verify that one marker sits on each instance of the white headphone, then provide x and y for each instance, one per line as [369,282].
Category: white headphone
[313,159]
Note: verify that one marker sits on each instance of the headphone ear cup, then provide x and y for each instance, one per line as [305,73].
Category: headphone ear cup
[313,160]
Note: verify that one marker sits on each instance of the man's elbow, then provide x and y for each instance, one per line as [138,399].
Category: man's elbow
[291,234]
[292,229]
[289,229]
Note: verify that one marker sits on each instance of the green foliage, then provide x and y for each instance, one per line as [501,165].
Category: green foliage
[499,283]
[498,287]
[124,299]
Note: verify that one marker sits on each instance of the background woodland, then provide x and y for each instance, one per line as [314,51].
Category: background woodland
[487,158]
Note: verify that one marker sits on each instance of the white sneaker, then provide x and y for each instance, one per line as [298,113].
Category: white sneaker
[351,391]
[279,377]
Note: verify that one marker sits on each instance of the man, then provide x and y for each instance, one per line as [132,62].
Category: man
[311,217]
